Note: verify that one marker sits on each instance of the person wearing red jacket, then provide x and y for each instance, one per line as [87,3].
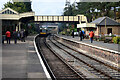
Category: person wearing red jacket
[8,36]
[91,34]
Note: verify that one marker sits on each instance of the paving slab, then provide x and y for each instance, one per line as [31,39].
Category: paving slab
[20,61]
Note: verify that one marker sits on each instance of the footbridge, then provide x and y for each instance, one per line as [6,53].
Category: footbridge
[79,19]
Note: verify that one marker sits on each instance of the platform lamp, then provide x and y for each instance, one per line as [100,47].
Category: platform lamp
[67,27]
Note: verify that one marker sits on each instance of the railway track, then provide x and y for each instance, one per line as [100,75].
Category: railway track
[92,65]
[57,67]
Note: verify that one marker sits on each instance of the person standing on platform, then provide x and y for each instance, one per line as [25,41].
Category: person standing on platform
[3,38]
[15,36]
[26,33]
[91,34]
[18,35]
[8,36]
[81,35]
[73,33]
[22,35]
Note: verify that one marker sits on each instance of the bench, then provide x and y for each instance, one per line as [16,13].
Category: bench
[108,39]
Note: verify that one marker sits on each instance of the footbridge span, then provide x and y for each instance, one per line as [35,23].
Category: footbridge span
[79,19]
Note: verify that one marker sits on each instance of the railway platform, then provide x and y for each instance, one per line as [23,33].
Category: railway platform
[20,61]
[110,46]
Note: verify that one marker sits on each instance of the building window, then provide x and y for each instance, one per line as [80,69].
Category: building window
[10,12]
[14,13]
[109,30]
[7,11]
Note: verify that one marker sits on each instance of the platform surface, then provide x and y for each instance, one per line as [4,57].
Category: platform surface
[21,61]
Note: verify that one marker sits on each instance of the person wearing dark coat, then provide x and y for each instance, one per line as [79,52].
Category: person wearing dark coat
[22,33]
[15,36]
[26,33]
[73,33]
[3,38]
[81,35]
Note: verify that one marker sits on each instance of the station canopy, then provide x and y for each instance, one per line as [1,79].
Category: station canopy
[85,25]
[10,14]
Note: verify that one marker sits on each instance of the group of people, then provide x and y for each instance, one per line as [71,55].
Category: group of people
[15,35]
[82,35]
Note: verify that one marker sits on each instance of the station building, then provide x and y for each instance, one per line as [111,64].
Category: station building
[12,20]
[102,26]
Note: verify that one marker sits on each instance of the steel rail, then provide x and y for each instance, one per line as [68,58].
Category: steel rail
[49,47]
[44,60]
[104,73]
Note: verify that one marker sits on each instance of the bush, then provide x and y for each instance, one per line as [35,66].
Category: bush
[116,40]
[63,32]
[113,35]
[101,38]
[95,38]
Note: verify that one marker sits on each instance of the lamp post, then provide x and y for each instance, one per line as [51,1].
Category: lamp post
[67,28]
[105,25]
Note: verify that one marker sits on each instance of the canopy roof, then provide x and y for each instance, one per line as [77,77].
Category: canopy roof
[10,14]
[8,11]
[105,20]
[86,25]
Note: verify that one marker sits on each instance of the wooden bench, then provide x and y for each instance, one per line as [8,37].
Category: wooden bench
[108,39]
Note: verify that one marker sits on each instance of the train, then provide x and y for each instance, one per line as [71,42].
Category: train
[44,32]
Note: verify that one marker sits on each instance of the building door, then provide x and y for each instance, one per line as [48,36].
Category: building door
[109,30]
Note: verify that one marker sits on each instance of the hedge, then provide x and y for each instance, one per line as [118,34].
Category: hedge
[116,40]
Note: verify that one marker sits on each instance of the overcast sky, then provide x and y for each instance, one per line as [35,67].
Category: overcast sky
[45,7]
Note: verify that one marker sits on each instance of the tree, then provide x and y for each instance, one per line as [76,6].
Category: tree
[114,5]
[68,11]
[98,9]
[19,6]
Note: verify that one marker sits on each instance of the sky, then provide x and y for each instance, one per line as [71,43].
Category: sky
[44,7]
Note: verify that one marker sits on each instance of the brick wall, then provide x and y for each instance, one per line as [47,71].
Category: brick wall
[115,29]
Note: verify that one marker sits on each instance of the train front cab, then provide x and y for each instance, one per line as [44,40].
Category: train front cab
[44,33]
